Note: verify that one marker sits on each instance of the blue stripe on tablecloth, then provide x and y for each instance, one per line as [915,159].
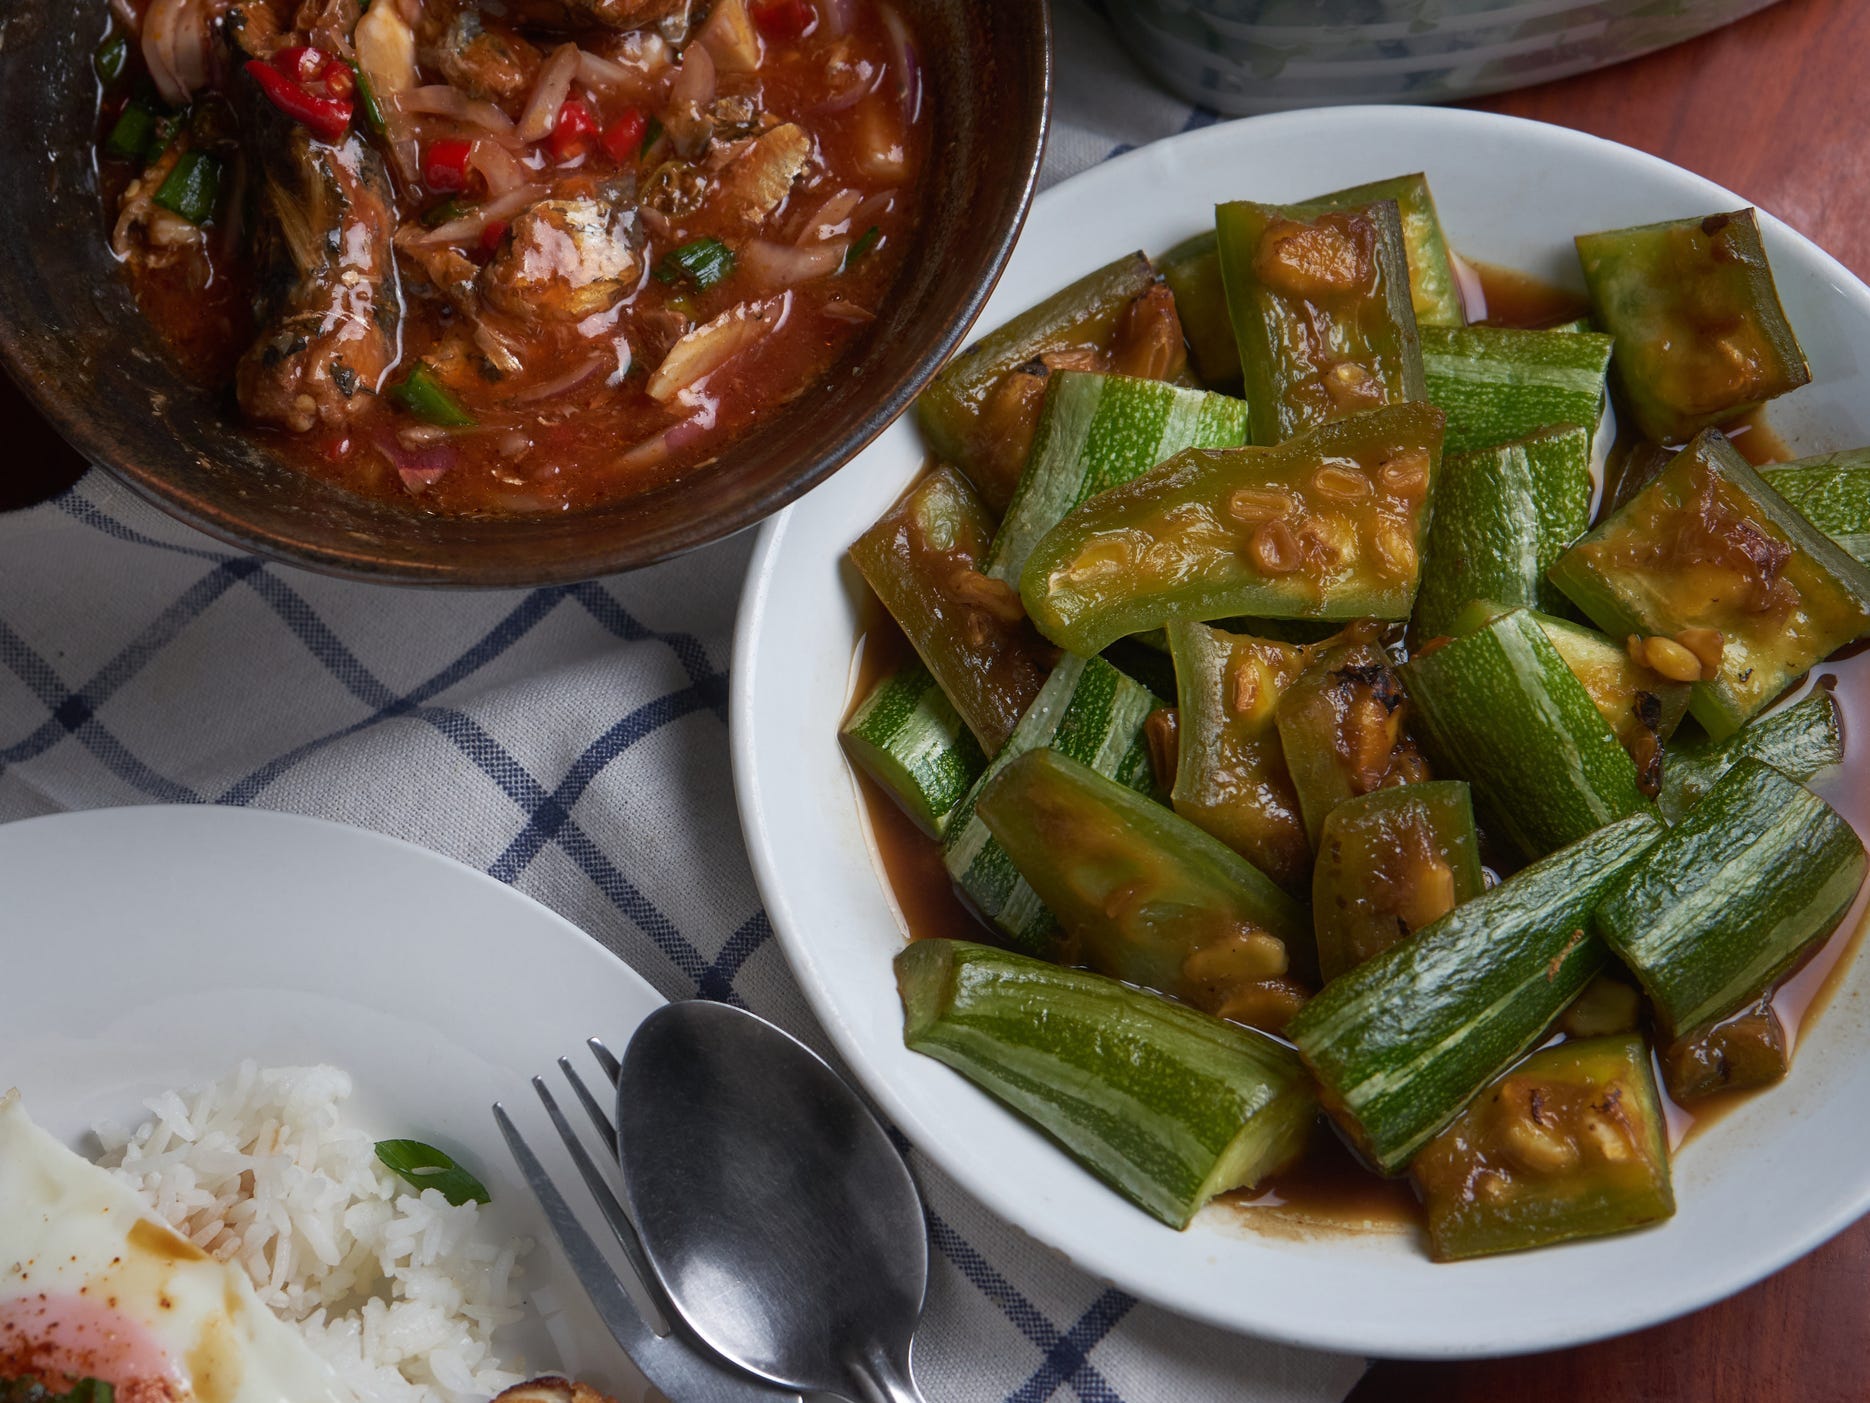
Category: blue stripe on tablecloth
[1067,1352]
[549,816]
[526,615]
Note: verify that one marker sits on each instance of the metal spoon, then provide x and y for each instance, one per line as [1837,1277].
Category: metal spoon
[781,1221]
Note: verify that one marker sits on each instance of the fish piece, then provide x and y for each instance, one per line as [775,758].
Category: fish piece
[486,61]
[758,180]
[327,295]
[565,259]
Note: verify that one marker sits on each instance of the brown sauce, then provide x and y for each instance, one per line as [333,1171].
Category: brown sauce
[1502,297]
[1327,1190]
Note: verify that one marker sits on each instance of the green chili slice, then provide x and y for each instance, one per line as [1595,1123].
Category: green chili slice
[86,1390]
[704,263]
[424,396]
[367,101]
[111,58]
[865,242]
[446,212]
[425,1167]
[131,134]
[192,188]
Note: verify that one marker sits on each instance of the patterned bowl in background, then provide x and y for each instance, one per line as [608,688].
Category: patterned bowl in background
[1246,56]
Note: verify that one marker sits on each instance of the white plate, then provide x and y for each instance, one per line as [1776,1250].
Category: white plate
[150,948]
[1771,1182]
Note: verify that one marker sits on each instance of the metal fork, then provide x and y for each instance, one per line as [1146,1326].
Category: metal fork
[683,1369]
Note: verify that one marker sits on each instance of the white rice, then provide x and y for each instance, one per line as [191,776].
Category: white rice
[401,1292]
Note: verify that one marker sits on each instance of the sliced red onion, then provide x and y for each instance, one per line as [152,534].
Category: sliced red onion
[844,311]
[861,81]
[559,385]
[905,62]
[548,95]
[617,79]
[837,16]
[873,209]
[419,479]
[498,167]
[832,218]
[775,267]
[440,100]
[655,223]
[419,468]
[175,48]
[686,121]
[670,441]
[473,224]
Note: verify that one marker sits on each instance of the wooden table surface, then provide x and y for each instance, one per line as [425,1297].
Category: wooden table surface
[1767,107]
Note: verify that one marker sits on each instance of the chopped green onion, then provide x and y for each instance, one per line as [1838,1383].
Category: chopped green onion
[132,133]
[111,58]
[704,263]
[446,212]
[424,396]
[17,1390]
[865,242]
[192,188]
[652,133]
[425,1167]
[367,101]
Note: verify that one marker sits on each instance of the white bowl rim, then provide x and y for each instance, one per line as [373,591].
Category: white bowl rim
[1539,1328]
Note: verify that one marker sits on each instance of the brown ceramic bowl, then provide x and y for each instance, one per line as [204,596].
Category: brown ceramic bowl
[72,337]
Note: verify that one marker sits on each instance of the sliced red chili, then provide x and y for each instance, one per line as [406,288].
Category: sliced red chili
[327,117]
[490,236]
[784,20]
[573,130]
[623,138]
[339,81]
[445,163]
[301,62]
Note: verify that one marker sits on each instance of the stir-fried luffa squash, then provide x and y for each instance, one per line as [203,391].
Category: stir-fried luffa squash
[1145,896]
[1389,864]
[1495,1032]
[1571,1143]
[1328,526]
[1721,581]
[1321,310]
[981,412]
[1230,773]
[1700,335]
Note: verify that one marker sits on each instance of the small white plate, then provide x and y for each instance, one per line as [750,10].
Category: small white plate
[1769,1183]
[151,948]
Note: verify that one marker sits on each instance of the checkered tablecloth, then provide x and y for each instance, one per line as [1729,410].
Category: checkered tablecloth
[571,741]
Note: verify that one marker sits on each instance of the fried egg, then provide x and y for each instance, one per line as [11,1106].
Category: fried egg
[93,1286]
